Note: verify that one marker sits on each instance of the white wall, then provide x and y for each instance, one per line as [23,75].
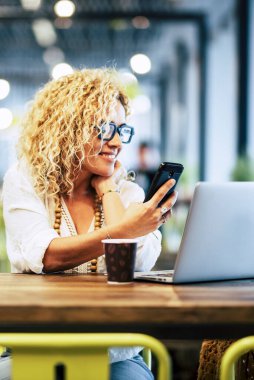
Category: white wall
[221,105]
[251,88]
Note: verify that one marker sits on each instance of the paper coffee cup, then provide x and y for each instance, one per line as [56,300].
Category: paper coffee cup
[120,256]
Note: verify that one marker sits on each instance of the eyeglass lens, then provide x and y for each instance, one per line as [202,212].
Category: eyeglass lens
[108,131]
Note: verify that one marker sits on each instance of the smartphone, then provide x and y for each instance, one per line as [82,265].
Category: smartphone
[165,171]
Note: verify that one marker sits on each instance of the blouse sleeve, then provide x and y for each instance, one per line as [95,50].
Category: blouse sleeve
[149,246]
[28,229]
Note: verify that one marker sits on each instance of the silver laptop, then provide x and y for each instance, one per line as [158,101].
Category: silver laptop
[218,239]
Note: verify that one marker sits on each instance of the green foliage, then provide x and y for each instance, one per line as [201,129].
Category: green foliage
[189,176]
[243,170]
[133,90]
[4,262]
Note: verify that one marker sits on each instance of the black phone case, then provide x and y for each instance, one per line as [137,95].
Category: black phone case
[166,171]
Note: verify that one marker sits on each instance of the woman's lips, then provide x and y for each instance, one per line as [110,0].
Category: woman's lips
[108,156]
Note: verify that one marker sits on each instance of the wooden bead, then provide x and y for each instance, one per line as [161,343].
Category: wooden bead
[98,222]
[58,215]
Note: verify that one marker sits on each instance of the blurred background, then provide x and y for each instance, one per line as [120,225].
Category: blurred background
[188,68]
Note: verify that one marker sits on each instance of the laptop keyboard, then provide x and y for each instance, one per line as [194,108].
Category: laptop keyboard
[168,275]
[163,273]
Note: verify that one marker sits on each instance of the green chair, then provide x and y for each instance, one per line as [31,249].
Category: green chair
[46,356]
[232,355]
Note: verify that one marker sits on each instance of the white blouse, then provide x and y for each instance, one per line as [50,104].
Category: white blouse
[29,230]
[29,224]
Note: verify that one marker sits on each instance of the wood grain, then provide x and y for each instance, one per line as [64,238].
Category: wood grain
[88,299]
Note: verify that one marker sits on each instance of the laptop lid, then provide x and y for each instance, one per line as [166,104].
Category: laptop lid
[218,239]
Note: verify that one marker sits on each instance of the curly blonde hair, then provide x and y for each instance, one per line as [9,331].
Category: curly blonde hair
[61,120]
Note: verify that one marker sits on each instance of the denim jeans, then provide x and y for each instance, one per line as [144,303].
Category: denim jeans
[134,369]
[5,368]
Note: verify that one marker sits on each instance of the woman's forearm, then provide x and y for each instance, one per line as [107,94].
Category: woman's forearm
[68,252]
[113,208]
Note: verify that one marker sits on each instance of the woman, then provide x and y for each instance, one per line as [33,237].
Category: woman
[68,191]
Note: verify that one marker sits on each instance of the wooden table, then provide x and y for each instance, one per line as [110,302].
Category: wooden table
[87,303]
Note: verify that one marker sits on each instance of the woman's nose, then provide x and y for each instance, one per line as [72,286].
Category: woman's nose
[116,141]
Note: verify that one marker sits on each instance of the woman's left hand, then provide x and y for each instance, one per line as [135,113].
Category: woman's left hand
[103,184]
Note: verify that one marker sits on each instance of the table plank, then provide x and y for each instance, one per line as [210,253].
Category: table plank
[88,299]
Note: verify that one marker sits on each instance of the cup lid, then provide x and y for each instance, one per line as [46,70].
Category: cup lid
[119,241]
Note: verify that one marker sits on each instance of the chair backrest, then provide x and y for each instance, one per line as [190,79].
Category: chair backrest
[68,356]
[232,355]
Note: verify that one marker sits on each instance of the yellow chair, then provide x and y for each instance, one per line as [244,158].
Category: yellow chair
[147,356]
[47,356]
[2,350]
[232,355]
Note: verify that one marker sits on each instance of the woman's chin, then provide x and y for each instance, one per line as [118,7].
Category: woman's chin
[108,173]
[105,172]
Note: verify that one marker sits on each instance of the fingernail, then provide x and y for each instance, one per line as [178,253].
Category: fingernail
[173,181]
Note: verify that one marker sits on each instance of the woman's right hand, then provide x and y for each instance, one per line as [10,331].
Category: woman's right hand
[139,219]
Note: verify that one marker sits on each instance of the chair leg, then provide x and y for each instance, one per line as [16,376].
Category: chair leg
[147,356]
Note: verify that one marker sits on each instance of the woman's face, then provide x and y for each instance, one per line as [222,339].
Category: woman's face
[101,156]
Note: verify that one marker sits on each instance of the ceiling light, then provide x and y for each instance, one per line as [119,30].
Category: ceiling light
[53,55]
[64,8]
[31,5]
[61,69]
[128,78]
[141,104]
[4,88]
[140,22]
[44,32]
[140,63]
[5,118]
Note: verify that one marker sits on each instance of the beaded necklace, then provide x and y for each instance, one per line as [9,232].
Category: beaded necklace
[98,223]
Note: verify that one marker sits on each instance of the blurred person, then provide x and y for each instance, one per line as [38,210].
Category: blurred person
[148,163]
[68,191]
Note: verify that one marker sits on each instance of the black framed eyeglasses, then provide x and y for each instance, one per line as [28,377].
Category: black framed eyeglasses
[108,131]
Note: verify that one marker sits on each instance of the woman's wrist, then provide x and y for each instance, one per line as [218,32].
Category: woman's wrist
[107,188]
[117,231]
[114,190]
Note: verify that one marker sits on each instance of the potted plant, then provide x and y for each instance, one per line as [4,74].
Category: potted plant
[243,170]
